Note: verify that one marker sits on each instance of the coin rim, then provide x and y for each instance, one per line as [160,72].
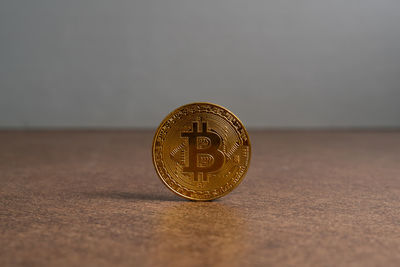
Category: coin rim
[153,150]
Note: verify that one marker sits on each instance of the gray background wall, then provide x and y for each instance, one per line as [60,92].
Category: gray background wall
[98,63]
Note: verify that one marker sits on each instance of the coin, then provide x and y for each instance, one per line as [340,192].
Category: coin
[201,151]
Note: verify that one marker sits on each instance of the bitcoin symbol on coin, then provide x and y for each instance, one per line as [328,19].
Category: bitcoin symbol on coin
[204,153]
[201,151]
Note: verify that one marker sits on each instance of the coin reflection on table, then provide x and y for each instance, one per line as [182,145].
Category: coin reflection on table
[208,233]
[201,151]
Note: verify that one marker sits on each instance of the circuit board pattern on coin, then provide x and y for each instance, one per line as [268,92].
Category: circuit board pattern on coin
[201,151]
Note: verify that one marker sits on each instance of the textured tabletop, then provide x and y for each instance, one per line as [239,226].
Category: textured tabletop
[92,198]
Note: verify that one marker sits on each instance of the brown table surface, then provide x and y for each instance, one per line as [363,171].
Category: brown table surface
[92,198]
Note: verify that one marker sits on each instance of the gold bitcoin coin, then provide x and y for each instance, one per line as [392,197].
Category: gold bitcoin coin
[201,151]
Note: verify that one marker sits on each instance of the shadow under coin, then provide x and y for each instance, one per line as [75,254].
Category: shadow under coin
[134,196]
[200,234]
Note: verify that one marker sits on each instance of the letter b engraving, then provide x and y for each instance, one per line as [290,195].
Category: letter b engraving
[204,153]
